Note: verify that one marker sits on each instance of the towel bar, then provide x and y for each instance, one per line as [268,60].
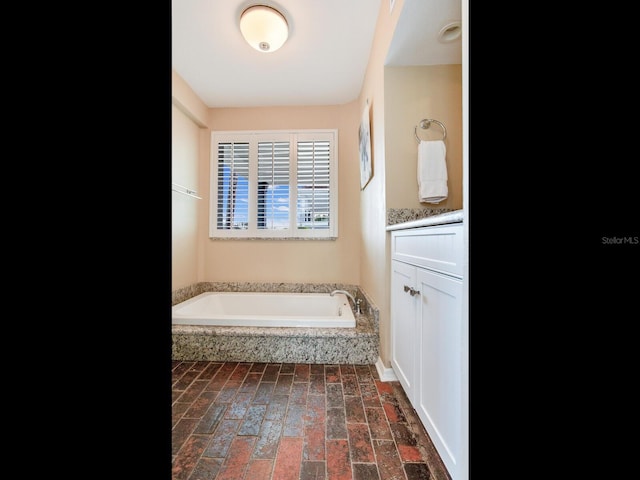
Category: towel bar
[426,123]
[185,191]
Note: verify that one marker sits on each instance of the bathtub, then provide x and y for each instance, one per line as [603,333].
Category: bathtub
[265,309]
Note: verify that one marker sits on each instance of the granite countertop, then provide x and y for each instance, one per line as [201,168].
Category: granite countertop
[456,216]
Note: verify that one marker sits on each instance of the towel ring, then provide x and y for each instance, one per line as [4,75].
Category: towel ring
[426,123]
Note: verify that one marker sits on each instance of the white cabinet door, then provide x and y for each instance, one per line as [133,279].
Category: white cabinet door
[439,400]
[404,358]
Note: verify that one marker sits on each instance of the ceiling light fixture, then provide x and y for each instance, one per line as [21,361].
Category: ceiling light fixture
[264,28]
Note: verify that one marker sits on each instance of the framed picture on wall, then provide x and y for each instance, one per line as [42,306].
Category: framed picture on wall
[364,137]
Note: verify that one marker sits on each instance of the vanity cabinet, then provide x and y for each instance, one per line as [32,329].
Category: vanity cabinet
[426,330]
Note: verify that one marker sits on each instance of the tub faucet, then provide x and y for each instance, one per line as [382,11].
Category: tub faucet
[356,303]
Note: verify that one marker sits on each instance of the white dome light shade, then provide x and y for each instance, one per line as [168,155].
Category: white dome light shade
[264,28]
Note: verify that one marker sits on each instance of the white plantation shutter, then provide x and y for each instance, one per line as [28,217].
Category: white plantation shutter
[274,184]
[274,162]
[314,185]
[232,185]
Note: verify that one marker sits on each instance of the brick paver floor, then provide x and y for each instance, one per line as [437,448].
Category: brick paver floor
[281,421]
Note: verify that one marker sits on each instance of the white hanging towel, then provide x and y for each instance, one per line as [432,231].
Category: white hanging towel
[432,171]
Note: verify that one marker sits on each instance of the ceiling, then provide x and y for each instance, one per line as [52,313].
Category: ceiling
[322,63]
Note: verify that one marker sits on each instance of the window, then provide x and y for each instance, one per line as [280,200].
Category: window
[274,184]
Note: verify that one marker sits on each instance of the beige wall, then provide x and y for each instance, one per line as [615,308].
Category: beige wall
[188,117]
[197,258]
[374,256]
[411,94]
[294,261]
[187,101]
[184,209]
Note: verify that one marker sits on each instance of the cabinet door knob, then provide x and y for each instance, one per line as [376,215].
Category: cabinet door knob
[411,291]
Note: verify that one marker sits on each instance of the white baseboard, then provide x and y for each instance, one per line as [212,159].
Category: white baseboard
[385,374]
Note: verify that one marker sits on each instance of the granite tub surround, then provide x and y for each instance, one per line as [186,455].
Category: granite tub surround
[278,344]
[401,215]
[273,345]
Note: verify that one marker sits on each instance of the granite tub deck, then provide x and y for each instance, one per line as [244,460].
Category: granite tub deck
[357,345]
